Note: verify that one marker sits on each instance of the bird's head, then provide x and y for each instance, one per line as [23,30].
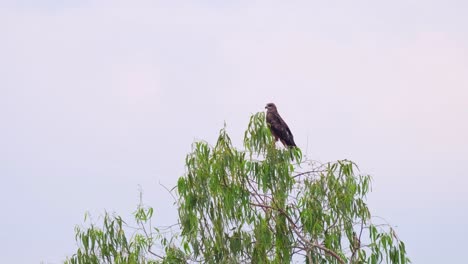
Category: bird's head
[270,107]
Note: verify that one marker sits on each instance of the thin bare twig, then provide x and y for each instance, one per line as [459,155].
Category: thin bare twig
[167,189]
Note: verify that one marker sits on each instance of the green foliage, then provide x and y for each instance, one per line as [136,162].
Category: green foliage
[258,205]
[263,204]
[111,242]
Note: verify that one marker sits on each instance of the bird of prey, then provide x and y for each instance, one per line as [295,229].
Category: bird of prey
[279,129]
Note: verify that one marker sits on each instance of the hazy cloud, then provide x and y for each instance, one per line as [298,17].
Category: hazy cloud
[101,97]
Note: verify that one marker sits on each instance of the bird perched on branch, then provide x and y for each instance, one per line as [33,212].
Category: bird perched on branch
[279,129]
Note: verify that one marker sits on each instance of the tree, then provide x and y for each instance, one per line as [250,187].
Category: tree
[260,205]
[117,241]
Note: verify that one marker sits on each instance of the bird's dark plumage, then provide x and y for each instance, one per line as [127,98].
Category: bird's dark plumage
[279,129]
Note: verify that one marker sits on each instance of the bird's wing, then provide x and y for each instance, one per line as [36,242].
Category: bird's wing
[281,129]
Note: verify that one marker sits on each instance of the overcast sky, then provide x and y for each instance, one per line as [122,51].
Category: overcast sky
[98,98]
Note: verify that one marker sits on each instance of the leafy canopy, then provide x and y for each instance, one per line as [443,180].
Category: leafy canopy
[259,205]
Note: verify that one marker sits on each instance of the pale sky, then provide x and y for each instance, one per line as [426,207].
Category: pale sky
[101,97]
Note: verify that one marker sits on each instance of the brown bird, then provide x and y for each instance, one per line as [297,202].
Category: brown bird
[279,129]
